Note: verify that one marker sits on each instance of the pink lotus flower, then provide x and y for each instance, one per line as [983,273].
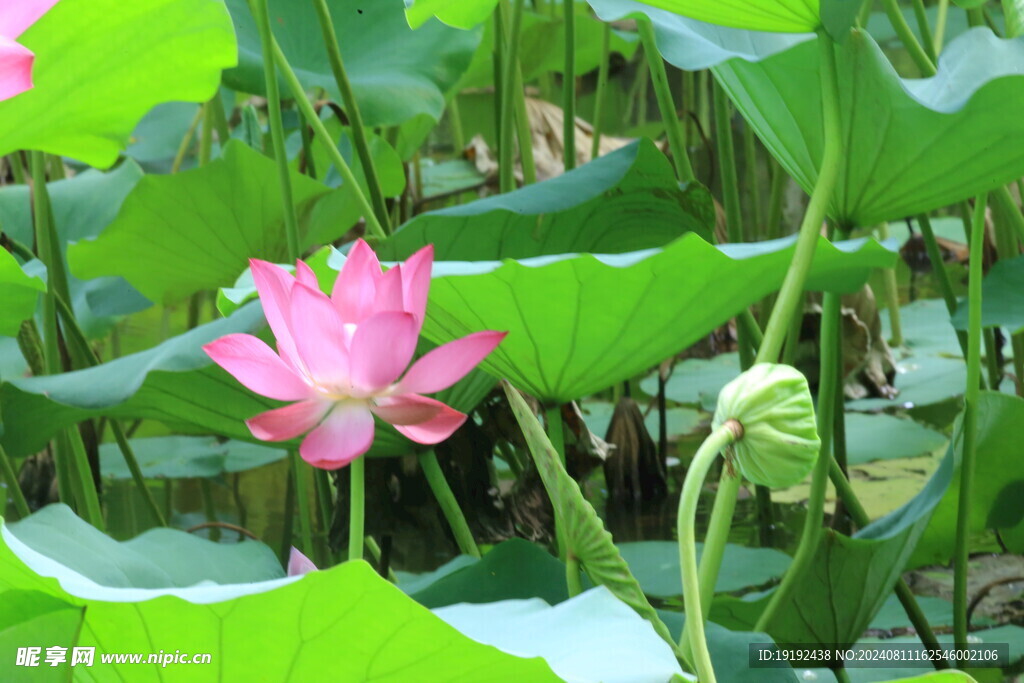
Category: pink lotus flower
[16,60]
[340,357]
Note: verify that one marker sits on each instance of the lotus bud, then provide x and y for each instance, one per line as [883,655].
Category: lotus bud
[779,442]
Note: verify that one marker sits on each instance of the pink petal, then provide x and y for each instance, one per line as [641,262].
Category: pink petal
[17,15]
[281,424]
[382,347]
[416,281]
[257,367]
[436,429]
[346,434]
[407,409]
[444,366]
[305,275]
[274,285]
[356,286]
[389,292]
[319,336]
[15,68]
[299,564]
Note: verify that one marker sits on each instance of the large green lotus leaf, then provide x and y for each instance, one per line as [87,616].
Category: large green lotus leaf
[611,641]
[158,558]
[284,629]
[82,207]
[997,498]
[396,72]
[177,235]
[625,201]
[889,171]
[580,323]
[901,156]
[542,47]
[34,619]
[88,97]
[19,292]
[179,457]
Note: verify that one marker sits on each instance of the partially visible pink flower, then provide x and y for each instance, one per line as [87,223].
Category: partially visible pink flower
[341,357]
[299,564]
[16,60]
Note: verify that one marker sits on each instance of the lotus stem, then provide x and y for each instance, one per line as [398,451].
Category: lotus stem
[302,500]
[659,80]
[569,87]
[355,118]
[601,91]
[892,297]
[831,350]
[373,226]
[510,59]
[186,141]
[906,36]
[940,25]
[719,439]
[291,230]
[941,276]
[449,504]
[970,421]
[20,504]
[523,132]
[925,30]
[357,508]
[791,292]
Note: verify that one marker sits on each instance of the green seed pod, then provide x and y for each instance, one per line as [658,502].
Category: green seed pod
[780,438]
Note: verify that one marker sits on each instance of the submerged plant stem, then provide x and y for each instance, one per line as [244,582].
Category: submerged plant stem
[449,505]
[686,531]
[356,510]
[659,79]
[970,421]
[355,118]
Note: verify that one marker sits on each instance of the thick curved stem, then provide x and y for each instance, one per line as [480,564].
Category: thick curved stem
[673,126]
[971,396]
[718,440]
[449,505]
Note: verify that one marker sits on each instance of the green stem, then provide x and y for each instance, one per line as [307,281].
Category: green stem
[909,40]
[601,91]
[1004,203]
[449,505]
[659,80]
[925,30]
[76,337]
[20,504]
[971,397]
[206,136]
[717,535]
[186,141]
[572,576]
[523,133]
[357,508]
[220,121]
[940,25]
[775,197]
[455,122]
[373,226]
[209,507]
[302,499]
[569,87]
[355,118]
[506,148]
[793,285]
[892,296]
[941,276]
[753,181]
[261,15]
[374,549]
[686,532]
[82,481]
[812,530]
